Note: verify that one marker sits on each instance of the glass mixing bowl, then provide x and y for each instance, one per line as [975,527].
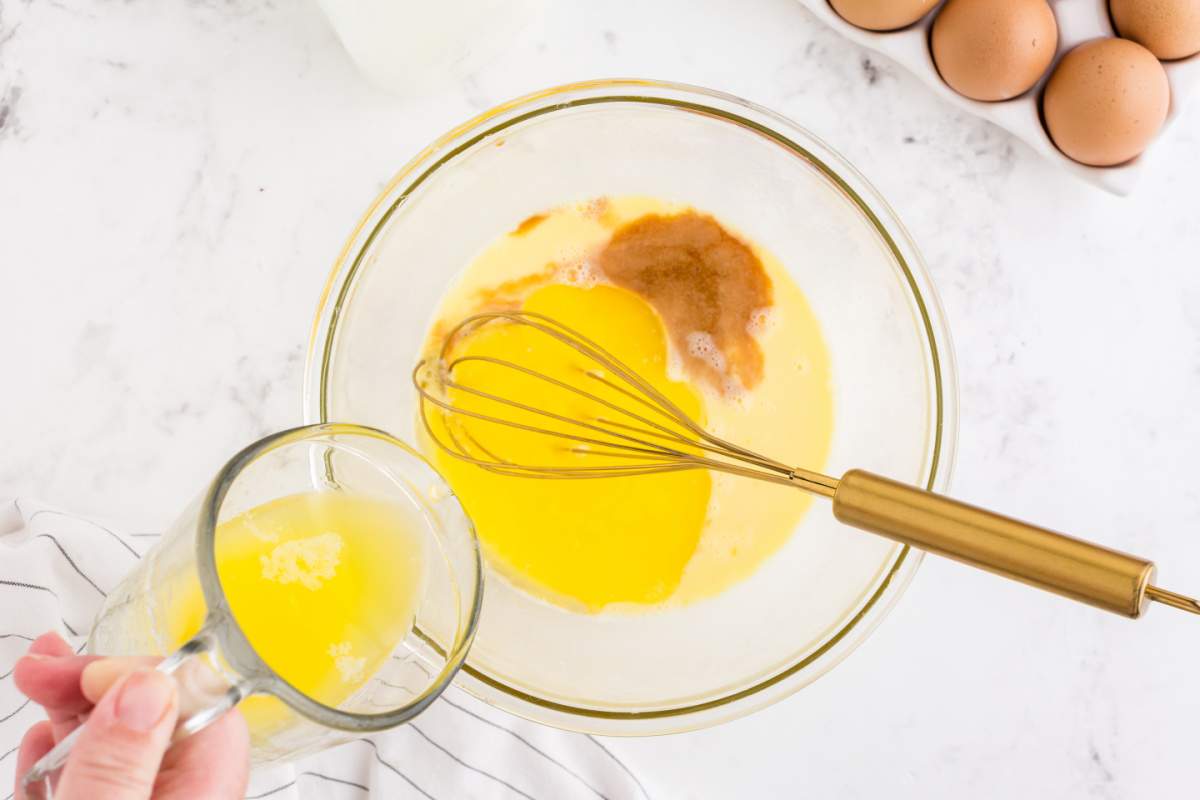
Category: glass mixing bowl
[822,593]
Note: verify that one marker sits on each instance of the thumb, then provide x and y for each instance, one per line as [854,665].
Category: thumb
[121,746]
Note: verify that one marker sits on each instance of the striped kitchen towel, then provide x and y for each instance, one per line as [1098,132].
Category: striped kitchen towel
[56,569]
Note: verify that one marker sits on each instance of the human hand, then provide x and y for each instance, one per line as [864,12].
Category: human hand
[131,711]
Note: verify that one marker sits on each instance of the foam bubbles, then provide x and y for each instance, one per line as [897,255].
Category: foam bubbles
[732,391]
[310,561]
[578,272]
[350,668]
[595,208]
[762,321]
[700,345]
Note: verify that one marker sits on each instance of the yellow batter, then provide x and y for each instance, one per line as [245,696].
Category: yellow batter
[637,541]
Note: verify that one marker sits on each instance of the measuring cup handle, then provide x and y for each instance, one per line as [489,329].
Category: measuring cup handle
[205,693]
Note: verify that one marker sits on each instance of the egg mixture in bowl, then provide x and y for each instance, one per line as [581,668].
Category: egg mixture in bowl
[714,323]
[746,272]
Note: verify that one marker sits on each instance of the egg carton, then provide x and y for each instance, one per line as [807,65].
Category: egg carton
[1078,21]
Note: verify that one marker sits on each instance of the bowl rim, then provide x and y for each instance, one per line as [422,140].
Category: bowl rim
[873,208]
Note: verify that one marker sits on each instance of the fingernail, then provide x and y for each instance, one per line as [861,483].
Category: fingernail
[102,674]
[144,700]
[39,657]
[98,677]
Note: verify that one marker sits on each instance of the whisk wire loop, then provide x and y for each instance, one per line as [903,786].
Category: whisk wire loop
[650,446]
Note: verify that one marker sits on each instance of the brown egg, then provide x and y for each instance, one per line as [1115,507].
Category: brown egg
[882,15]
[1168,28]
[993,49]
[1105,101]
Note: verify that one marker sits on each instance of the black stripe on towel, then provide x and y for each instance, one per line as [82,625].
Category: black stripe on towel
[301,775]
[460,762]
[15,711]
[58,513]
[54,594]
[527,743]
[620,764]
[71,561]
[13,636]
[396,769]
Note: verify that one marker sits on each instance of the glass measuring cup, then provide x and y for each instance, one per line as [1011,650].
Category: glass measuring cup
[218,666]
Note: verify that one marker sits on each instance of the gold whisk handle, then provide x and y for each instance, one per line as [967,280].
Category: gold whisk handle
[1062,564]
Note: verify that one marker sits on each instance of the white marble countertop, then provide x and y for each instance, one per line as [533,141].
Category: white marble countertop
[177,177]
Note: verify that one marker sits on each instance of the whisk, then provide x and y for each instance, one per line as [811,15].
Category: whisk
[633,429]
